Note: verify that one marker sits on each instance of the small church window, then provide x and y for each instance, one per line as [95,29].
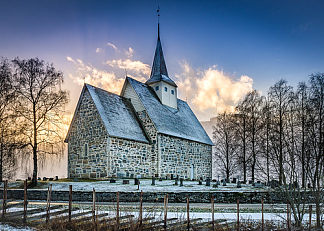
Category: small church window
[157,88]
[172,92]
[86,150]
[165,89]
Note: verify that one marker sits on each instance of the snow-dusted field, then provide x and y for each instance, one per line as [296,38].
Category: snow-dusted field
[145,186]
[5,227]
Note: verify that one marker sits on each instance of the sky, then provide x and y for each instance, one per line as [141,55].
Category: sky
[216,51]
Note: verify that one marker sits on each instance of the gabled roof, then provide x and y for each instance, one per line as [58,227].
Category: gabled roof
[159,71]
[180,122]
[117,114]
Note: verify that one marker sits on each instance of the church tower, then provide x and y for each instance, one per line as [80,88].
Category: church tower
[159,80]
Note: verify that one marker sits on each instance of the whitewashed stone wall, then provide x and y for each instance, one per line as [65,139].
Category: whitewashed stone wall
[185,158]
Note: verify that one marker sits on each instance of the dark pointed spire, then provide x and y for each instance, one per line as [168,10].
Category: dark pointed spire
[159,70]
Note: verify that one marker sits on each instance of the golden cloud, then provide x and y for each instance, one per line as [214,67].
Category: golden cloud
[212,91]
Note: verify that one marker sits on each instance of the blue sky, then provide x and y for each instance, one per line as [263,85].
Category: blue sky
[264,40]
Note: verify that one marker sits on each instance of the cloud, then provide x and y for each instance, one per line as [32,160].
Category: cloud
[100,78]
[98,50]
[129,53]
[109,80]
[133,67]
[68,58]
[112,46]
[211,91]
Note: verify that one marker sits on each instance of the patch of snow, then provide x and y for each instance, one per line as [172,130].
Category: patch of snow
[5,227]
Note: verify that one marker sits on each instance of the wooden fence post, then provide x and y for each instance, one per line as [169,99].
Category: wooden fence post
[4,202]
[117,212]
[238,214]
[25,201]
[141,209]
[213,211]
[188,218]
[262,214]
[165,211]
[310,216]
[94,205]
[70,202]
[49,192]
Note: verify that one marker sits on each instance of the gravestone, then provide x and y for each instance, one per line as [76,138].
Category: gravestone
[153,180]
[44,178]
[250,181]
[160,179]
[238,184]
[112,181]
[56,178]
[200,182]
[136,181]
[181,182]
[234,180]
[224,182]
[172,178]
[274,184]
[125,181]
[208,181]
[176,181]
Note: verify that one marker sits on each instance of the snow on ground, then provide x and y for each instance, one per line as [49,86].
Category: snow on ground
[5,227]
[145,186]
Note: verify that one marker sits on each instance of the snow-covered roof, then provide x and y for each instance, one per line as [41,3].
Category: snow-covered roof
[180,122]
[117,114]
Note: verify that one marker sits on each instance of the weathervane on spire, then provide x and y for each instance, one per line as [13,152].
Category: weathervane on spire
[158,14]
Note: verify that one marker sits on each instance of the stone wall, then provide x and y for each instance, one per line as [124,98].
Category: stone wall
[185,158]
[128,157]
[89,129]
[152,197]
[152,134]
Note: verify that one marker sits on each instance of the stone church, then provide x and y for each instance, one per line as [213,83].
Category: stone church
[143,132]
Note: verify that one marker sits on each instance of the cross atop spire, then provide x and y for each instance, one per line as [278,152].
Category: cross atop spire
[159,70]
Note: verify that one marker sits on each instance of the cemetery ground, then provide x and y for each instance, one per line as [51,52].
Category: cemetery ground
[137,214]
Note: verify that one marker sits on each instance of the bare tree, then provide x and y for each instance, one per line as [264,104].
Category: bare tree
[7,121]
[225,148]
[241,136]
[40,103]
[279,99]
[251,108]
[316,166]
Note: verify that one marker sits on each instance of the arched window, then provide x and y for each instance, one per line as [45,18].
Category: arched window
[172,92]
[156,88]
[165,89]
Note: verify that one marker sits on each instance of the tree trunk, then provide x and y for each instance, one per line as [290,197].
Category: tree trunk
[34,179]
[1,161]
